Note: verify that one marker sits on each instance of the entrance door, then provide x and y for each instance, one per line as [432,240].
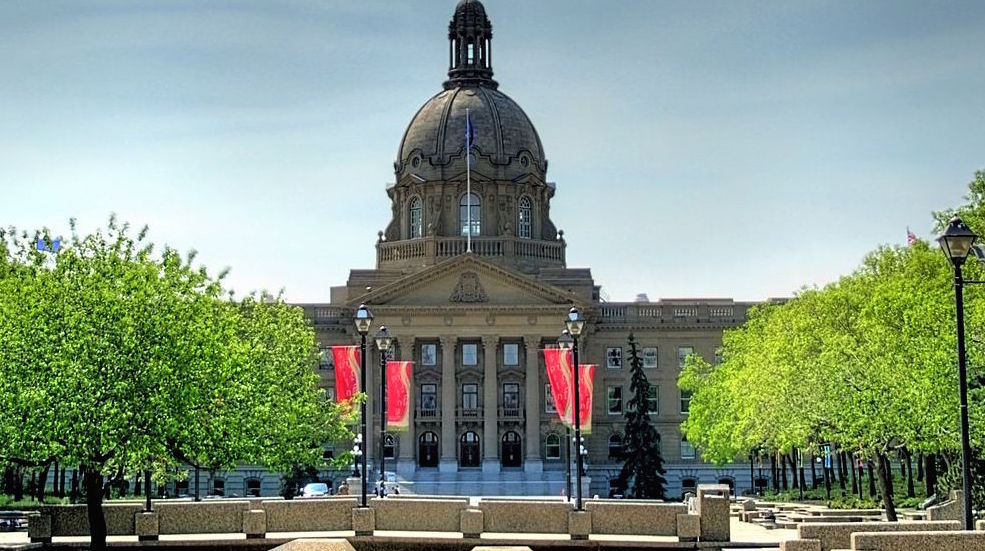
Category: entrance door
[469,450]
[511,449]
[427,450]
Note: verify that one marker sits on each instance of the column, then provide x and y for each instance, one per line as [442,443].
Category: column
[406,463]
[448,461]
[533,462]
[490,404]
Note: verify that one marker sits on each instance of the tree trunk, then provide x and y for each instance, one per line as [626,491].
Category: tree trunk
[813,472]
[74,490]
[908,457]
[136,485]
[93,481]
[855,483]
[920,467]
[930,473]
[775,474]
[841,471]
[18,484]
[884,467]
[793,468]
[42,483]
[872,479]
[783,471]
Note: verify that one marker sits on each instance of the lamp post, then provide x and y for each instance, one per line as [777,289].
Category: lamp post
[956,243]
[383,344]
[574,324]
[363,320]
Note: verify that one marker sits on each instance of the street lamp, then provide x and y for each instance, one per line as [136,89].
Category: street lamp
[575,323]
[956,243]
[363,320]
[383,343]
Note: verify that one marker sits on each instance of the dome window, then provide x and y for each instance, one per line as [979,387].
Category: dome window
[524,223]
[469,214]
[416,218]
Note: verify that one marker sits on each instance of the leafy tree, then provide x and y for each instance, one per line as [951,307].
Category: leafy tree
[119,360]
[642,473]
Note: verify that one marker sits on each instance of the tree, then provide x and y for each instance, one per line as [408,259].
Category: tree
[642,473]
[119,361]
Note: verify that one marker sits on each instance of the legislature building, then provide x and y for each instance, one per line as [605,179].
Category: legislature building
[475,313]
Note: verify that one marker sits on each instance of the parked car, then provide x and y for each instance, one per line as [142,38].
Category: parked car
[315,489]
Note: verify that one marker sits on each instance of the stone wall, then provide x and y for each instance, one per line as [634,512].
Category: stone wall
[440,515]
[309,515]
[634,517]
[203,517]
[904,541]
[525,516]
[838,535]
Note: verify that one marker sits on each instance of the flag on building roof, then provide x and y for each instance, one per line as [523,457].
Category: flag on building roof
[469,133]
[911,238]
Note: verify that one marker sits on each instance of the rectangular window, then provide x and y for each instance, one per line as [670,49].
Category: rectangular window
[548,400]
[685,401]
[470,396]
[511,354]
[553,447]
[653,400]
[613,357]
[614,399]
[687,450]
[325,359]
[470,354]
[330,394]
[682,353]
[511,396]
[650,357]
[429,399]
[429,354]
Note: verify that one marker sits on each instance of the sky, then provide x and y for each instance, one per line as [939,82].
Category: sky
[700,149]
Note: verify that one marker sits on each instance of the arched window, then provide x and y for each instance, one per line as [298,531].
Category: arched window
[470,203]
[416,218]
[615,446]
[389,445]
[525,219]
[552,445]
[689,485]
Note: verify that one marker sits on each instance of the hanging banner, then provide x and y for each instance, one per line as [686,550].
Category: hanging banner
[346,372]
[586,389]
[398,395]
[558,363]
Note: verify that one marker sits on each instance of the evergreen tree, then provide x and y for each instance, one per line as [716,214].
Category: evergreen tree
[642,474]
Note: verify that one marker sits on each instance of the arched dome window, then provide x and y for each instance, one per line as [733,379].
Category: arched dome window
[524,223]
[470,204]
[416,218]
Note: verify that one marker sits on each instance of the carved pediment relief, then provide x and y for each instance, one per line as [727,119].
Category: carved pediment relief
[469,289]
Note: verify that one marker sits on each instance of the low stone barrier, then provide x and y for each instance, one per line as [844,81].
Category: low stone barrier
[838,535]
[72,520]
[952,509]
[634,517]
[905,541]
[309,515]
[525,516]
[713,508]
[429,515]
[202,517]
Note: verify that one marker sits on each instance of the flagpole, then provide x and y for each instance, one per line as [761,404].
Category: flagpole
[468,179]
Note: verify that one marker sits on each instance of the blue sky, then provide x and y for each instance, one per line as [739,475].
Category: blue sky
[700,149]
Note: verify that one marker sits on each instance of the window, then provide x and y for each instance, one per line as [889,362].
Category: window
[682,353]
[614,395]
[615,446]
[524,223]
[613,357]
[389,445]
[548,400]
[470,204]
[511,396]
[218,487]
[471,53]
[511,354]
[687,450]
[689,486]
[429,354]
[330,394]
[253,487]
[470,396]
[325,359]
[429,399]
[650,357]
[653,400]
[328,454]
[552,446]
[470,354]
[416,218]
[685,401]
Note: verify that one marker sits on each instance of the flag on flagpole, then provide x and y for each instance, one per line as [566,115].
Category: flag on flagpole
[398,383]
[469,133]
[911,238]
[347,365]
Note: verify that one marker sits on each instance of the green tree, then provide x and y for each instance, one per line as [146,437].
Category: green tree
[119,360]
[642,473]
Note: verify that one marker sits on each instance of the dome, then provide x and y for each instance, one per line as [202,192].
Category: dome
[503,133]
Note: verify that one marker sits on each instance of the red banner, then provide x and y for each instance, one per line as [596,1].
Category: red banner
[558,363]
[586,390]
[346,372]
[398,395]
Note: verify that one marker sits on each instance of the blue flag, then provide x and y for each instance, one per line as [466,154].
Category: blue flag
[42,245]
[469,133]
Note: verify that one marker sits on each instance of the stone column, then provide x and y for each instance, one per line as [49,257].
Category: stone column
[406,464]
[533,463]
[448,461]
[490,399]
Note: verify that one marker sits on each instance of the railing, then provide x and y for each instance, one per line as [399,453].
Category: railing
[721,311]
[685,311]
[469,413]
[671,312]
[510,413]
[489,247]
[428,413]
[615,312]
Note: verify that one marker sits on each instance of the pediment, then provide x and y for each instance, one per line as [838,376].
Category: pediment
[468,281]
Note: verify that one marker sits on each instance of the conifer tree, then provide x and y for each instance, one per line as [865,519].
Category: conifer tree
[642,473]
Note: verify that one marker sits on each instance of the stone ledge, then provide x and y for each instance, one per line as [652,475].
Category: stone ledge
[363,521]
[470,522]
[800,545]
[579,524]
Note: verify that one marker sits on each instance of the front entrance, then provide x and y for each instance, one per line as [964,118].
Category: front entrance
[427,450]
[511,449]
[468,455]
